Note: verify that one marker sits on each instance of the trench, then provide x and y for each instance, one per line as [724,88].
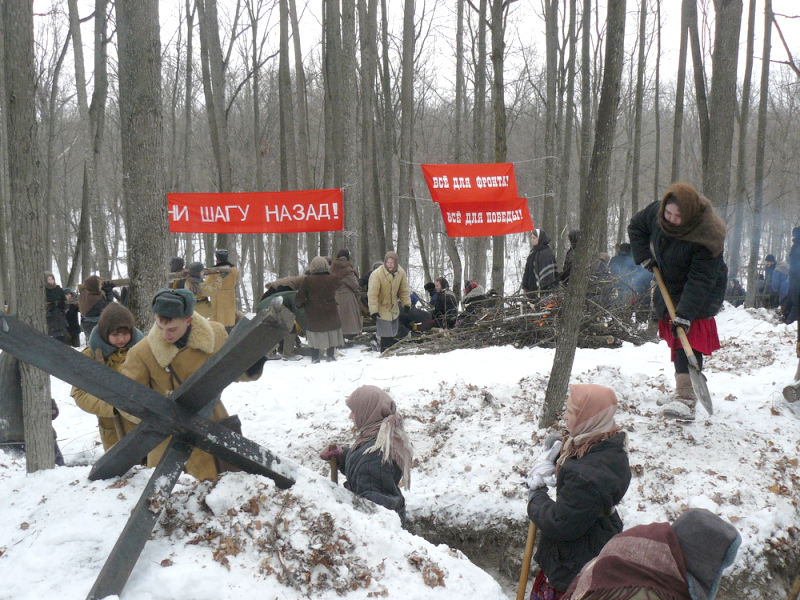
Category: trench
[498,551]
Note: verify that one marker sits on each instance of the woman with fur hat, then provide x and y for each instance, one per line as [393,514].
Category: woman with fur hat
[317,294]
[109,342]
[684,237]
[203,290]
[591,474]
[93,297]
[380,457]
[387,285]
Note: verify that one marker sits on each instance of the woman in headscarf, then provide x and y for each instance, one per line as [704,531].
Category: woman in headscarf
[56,299]
[592,475]
[348,294]
[317,295]
[387,285]
[380,457]
[684,237]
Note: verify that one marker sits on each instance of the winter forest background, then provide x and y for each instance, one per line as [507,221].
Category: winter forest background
[259,95]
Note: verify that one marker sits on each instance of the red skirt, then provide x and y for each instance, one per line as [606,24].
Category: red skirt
[702,336]
[542,590]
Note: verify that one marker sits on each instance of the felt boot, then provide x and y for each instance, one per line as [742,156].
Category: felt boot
[683,406]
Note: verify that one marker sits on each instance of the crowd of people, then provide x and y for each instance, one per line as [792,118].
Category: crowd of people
[584,551]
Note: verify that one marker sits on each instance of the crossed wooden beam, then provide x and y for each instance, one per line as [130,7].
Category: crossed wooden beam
[184,415]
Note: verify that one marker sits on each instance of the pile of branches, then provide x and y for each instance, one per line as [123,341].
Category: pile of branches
[534,320]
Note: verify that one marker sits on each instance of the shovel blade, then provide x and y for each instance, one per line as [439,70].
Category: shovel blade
[701,389]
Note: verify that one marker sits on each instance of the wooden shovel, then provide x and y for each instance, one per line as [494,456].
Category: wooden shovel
[526,562]
[698,379]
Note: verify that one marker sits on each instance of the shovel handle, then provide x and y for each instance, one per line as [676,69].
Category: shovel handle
[526,561]
[334,470]
[687,347]
[795,593]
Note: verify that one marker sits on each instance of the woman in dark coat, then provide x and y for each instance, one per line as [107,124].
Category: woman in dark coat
[684,237]
[445,309]
[592,475]
[57,326]
[380,457]
[317,294]
[348,294]
[540,268]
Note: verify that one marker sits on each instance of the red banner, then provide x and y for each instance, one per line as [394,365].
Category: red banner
[256,212]
[470,219]
[471,183]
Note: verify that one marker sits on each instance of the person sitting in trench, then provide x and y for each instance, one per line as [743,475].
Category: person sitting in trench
[380,457]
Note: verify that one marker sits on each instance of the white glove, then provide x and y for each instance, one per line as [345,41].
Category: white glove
[543,471]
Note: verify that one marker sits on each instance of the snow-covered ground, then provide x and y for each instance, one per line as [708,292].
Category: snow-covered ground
[472,416]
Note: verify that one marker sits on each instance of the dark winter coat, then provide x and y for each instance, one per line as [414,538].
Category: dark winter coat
[445,311]
[317,295]
[695,276]
[369,478]
[348,296]
[57,325]
[780,280]
[793,298]
[576,526]
[540,268]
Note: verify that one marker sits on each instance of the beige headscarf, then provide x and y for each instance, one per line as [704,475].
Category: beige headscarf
[594,407]
[319,264]
[376,418]
[393,255]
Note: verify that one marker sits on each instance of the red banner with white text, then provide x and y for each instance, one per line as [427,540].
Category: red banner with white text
[470,219]
[471,183]
[257,212]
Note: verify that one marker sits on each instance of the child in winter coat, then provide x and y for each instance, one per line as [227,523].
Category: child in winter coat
[380,457]
[109,342]
[682,561]
[592,475]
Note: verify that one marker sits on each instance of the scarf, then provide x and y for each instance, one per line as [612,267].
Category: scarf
[375,416]
[594,407]
[700,223]
[645,556]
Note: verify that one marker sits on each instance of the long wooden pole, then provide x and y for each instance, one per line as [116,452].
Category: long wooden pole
[526,561]
[795,593]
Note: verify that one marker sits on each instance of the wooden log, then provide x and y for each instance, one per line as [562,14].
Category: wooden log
[792,392]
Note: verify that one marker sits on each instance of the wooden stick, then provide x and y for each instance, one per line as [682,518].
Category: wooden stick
[334,470]
[687,347]
[526,561]
[795,593]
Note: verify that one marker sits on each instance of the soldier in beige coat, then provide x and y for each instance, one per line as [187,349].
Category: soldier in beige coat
[179,343]
[224,302]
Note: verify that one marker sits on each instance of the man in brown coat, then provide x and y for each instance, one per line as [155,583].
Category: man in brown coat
[178,344]
[224,302]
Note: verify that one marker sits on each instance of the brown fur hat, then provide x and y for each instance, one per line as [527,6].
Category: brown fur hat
[700,223]
[92,284]
[115,317]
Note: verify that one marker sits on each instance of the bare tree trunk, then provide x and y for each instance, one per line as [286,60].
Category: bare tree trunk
[566,154]
[213,68]
[500,147]
[388,145]
[551,60]
[187,171]
[138,33]
[353,195]
[288,254]
[637,119]
[27,220]
[7,267]
[597,202]
[586,104]
[334,107]
[735,244]
[479,246]
[698,68]
[761,142]
[722,103]
[657,107]
[88,129]
[257,278]
[406,183]
[680,91]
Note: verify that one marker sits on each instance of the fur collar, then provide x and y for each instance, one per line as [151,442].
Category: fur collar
[96,342]
[201,338]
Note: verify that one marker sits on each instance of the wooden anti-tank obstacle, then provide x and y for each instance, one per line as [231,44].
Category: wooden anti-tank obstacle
[184,416]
